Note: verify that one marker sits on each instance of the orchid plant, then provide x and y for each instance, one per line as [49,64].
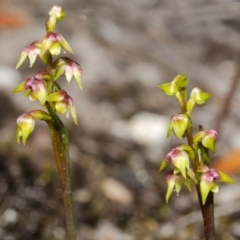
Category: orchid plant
[43,87]
[190,161]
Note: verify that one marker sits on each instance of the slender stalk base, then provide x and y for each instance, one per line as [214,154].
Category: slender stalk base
[60,144]
[208,215]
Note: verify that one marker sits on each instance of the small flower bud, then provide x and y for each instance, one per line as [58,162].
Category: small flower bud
[63,104]
[26,125]
[199,97]
[70,68]
[53,42]
[56,14]
[179,124]
[181,81]
[209,140]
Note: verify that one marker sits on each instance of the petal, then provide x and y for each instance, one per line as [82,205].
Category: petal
[20,87]
[65,45]
[163,164]
[77,76]
[205,188]
[225,178]
[23,56]
[74,114]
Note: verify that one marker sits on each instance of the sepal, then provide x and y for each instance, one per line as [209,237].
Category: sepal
[199,97]
[169,88]
[226,178]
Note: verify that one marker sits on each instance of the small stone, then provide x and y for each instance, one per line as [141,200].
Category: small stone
[145,128]
[59,233]
[107,231]
[82,195]
[10,215]
[116,191]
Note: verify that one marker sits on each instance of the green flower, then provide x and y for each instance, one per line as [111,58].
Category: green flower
[35,87]
[179,124]
[63,104]
[54,42]
[26,123]
[70,68]
[209,180]
[199,97]
[207,138]
[31,52]
[179,159]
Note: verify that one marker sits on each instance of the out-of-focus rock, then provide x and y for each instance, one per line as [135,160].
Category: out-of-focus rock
[107,231]
[144,128]
[82,195]
[116,191]
[9,78]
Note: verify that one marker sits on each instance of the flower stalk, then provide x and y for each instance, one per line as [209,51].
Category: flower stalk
[60,143]
[43,87]
[190,161]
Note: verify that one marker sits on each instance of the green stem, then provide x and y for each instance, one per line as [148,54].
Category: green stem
[60,144]
[208,215]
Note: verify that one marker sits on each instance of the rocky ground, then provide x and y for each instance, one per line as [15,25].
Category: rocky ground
[126,48]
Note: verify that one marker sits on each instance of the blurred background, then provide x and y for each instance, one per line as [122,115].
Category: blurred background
[126,48]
